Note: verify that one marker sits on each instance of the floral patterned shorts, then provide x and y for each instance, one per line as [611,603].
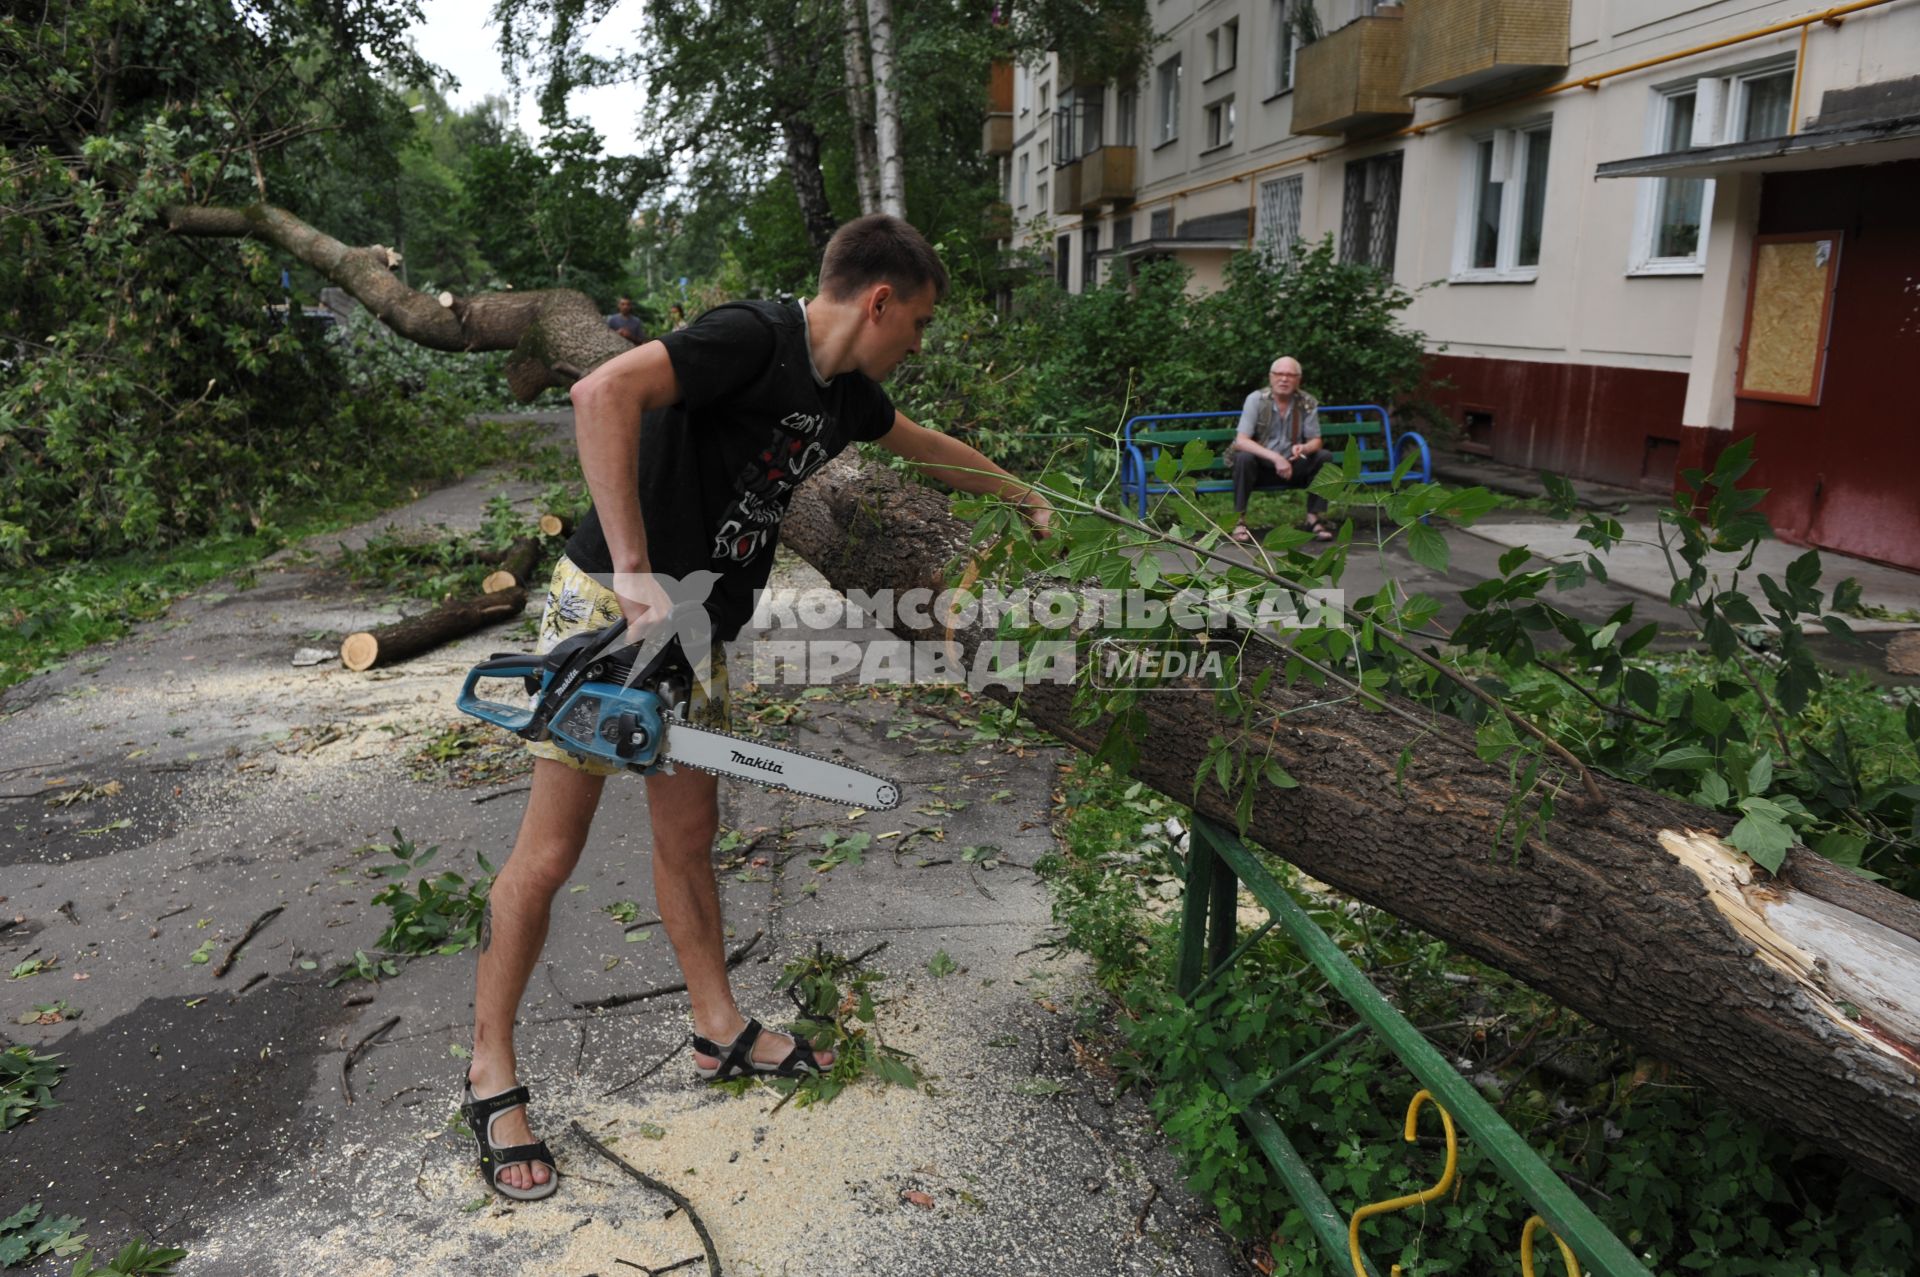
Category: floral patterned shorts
[576,603]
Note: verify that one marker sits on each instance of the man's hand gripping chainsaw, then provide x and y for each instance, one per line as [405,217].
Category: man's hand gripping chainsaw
[600,697]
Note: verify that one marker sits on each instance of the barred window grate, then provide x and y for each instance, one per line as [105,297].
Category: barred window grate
[1371,220]
[1276,226]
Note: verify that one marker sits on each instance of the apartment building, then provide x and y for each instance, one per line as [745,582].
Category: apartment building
[1639,229]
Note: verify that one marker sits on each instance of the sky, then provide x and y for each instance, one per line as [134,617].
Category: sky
[453,35]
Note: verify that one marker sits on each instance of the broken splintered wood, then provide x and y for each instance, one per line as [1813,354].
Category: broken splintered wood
[1863,976]
[416,634]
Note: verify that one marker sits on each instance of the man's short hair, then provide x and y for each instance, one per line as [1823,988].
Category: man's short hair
[880,248]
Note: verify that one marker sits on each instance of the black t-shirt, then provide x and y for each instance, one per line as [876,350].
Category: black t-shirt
[718,468]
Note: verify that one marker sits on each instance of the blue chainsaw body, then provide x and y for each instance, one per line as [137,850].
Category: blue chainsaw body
[590,696]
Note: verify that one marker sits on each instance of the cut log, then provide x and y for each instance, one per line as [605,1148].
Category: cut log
[1797,998]
[522,557]
[416,634]
[557,525]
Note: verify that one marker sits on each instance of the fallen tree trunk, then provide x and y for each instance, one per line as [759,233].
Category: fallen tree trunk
[1798,998]
[416,634]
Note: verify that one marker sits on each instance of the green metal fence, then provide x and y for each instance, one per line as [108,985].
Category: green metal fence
[1218,864]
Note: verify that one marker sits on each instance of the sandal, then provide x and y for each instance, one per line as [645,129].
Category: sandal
[736,1057]
[481,1114]
[1318,526]
[1242,534]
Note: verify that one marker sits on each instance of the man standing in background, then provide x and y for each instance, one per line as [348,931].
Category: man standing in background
[627,324]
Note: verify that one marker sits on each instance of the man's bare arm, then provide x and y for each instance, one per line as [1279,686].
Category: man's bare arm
[960,465]
[607,407]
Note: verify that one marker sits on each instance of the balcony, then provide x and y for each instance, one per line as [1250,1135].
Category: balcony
[1106,176]
[1472,46]
[1066,188]
[1350,80]
[996,135]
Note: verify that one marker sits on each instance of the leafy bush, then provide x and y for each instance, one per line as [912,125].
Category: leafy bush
[1686,1180]
[1065,362]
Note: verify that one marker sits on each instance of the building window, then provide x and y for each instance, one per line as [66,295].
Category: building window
[1126,106]
[1673,211]
[1223,45]
[1122,231]
[1284,45]
[1041,148]
[1026,167]
[1022,89]
[1505,204]
[1045,208]
[1167,101]
[1276,219]
[1370,220]
[1220,120]
[1046,98]
[1160,224]
[1758,102]
[1062,259]
[1077,124]
[1089,259]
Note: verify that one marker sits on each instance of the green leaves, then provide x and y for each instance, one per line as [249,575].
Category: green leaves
[1427,546]
[27,1079]
[1763,833]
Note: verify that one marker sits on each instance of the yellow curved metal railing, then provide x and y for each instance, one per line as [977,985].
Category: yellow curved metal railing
[1438,1191]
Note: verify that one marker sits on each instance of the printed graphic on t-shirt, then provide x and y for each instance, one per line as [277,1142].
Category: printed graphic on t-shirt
[765,487]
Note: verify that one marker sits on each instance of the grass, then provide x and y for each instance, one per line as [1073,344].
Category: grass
[58,610]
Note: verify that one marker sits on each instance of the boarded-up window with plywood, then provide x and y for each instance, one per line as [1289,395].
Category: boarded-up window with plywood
[1789,306]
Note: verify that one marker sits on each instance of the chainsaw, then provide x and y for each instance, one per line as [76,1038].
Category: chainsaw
[598,696]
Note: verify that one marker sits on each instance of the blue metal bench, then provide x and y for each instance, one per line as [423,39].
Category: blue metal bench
[1364,426]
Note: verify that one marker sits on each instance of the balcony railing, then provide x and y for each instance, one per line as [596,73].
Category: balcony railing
[1351,79]
[1066,188]
[996,135]
[1461,46]
[1106,176]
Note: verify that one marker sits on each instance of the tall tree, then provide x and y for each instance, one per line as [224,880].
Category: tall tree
[866,154]
[886,109]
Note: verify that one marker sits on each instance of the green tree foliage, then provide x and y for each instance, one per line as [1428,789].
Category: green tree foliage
[157,387]
[1084,362]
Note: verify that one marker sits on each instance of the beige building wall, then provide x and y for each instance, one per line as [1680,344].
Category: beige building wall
[1589,302]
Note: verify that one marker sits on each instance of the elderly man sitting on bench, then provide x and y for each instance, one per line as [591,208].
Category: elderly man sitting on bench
[1278,446]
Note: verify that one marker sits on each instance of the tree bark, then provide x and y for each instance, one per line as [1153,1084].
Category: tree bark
[416,634]
[866,154]
[555,335]
[803,143]
[886,109]
[1798,998]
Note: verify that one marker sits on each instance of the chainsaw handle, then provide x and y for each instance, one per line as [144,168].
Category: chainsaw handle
[501,714]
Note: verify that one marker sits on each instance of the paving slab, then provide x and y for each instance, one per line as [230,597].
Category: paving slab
[212,1112]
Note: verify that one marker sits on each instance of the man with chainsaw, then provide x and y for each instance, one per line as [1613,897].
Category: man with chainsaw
[691,446]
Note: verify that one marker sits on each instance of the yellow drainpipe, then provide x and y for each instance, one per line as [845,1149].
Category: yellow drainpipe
[1832,17]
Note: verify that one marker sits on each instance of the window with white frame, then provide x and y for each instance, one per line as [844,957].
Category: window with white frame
[1166,99]
[1671,236]
[1045,208]
[1220,121]
[1276,218]
[1046,97]
[1504,204]
[1744,104]
[1284,45]
[1223,47]
[1126,107]
[1026,167]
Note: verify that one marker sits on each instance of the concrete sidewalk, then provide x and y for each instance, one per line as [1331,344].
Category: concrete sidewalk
[212,1113]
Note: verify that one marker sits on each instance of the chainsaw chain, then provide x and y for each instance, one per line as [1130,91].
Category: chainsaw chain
[770,783]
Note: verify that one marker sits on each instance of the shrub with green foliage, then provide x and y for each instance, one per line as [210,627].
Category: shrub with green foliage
[1690,1183]
[1084,362]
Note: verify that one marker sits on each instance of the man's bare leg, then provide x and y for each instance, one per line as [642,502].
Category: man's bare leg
[552,832]
[685,810]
